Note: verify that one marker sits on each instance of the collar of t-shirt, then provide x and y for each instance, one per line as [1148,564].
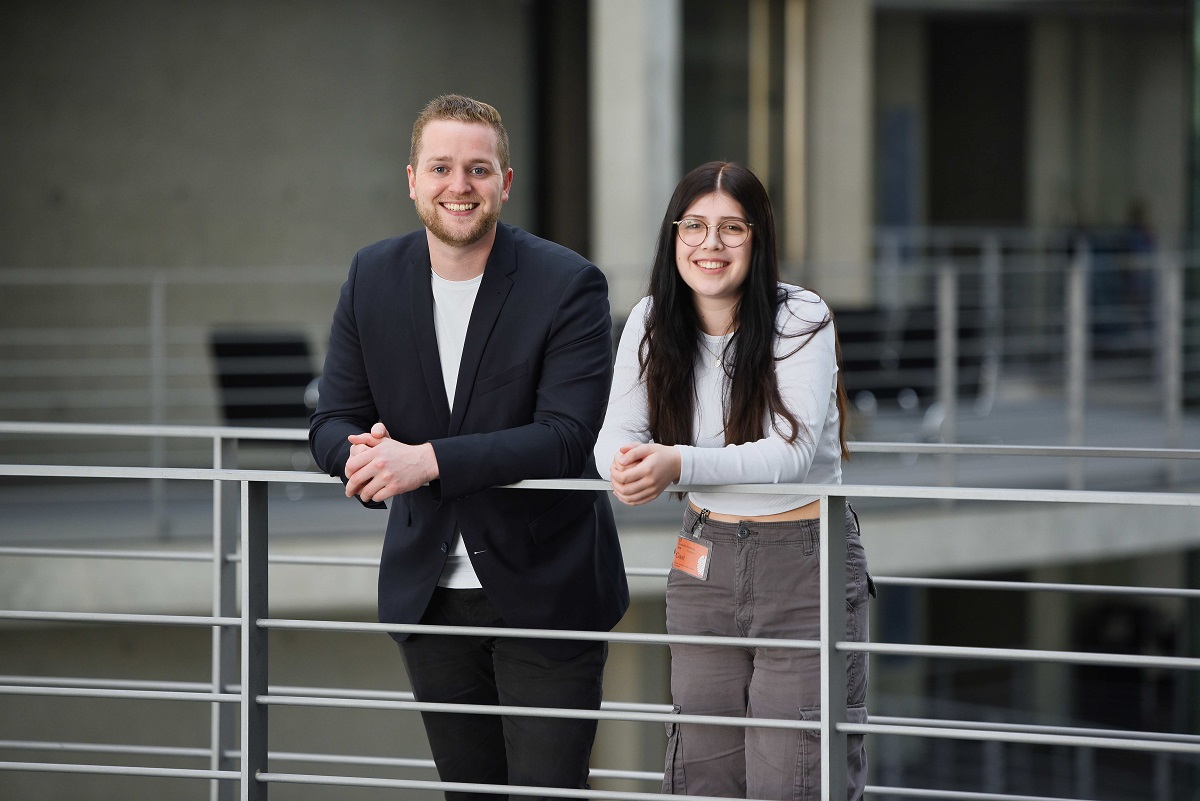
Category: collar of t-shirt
[452,305]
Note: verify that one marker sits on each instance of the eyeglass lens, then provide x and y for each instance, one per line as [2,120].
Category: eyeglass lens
[693,232]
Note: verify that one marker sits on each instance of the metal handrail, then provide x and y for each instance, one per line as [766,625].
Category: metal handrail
[255,693]
[249,433]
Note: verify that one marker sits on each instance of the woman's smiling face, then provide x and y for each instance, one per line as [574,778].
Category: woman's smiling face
[714,270]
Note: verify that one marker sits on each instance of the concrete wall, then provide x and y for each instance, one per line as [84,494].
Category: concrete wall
[233,134]
[266,137]
[840,213]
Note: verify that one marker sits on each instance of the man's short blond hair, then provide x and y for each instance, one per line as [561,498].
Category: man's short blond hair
[462,109]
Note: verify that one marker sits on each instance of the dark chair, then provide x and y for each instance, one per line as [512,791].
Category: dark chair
[262,376]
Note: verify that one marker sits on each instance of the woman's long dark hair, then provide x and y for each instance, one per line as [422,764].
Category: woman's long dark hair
[667,353]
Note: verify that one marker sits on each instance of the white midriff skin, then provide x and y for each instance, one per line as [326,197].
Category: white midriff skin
[715,273]
[809,511]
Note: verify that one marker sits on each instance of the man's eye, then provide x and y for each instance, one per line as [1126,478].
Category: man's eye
[439,169]
[479,171]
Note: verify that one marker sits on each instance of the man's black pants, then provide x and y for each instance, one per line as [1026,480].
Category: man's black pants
[501,749]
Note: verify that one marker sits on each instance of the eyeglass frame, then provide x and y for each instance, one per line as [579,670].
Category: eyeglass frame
[709,226]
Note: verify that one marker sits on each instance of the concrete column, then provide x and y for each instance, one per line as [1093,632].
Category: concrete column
[794,236]
[1193,67]
[839,156]
[1052,172]
[636,58]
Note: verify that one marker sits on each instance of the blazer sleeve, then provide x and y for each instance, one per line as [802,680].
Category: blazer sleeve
[345,405]
[572,387]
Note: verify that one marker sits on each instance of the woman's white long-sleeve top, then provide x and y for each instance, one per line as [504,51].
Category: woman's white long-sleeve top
[807,383]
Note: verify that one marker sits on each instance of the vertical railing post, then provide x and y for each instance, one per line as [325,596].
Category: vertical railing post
[833,660]
[992,300]
[947,364]
[224,720]
[1085,772]
[891,293]
[158,399]
[1077,355]
[994,768]
[1162,784]
[1170,316]
[254,639]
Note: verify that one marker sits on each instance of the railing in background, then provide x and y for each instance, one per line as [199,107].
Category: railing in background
[139,345]
[1100,313]
[240,695]
[987,316]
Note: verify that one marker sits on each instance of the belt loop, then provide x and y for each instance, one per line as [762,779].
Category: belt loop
[700,523]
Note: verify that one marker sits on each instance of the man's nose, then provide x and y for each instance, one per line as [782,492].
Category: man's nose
[459,183]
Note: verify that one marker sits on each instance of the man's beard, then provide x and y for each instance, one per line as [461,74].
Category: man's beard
[431,220]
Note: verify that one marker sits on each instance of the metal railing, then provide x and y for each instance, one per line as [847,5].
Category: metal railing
[970,318]
[240,696]
[963,312]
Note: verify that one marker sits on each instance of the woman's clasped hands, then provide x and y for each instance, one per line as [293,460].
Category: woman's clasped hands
[642,470]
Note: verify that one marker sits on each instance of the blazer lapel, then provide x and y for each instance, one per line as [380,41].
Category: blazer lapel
[424,333]
[493,291]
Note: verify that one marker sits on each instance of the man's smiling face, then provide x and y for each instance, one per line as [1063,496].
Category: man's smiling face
[457,182]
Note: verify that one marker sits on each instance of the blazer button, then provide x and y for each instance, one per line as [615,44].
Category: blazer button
[445,548]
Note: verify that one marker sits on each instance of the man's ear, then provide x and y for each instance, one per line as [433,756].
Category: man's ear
[412,184]
[508,176]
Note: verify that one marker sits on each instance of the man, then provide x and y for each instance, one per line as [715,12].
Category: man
[462,357]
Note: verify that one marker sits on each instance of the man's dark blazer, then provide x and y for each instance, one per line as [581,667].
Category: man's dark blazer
[530,398]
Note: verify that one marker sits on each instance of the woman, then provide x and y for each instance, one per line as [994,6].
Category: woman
[725,375]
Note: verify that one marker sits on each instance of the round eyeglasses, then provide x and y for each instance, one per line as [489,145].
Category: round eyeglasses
[692,232]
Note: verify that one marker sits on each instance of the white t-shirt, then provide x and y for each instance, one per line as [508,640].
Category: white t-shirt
[807,383]
[452,305]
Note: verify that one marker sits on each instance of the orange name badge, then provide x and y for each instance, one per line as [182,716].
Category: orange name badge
[692,557]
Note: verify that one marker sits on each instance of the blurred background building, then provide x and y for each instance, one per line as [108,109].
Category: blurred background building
[183,184]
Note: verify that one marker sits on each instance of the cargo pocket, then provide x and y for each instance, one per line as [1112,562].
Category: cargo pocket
[807,786]
[808,760]
[673,781]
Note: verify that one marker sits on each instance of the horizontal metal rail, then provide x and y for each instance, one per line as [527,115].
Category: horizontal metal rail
[955,733]
[154,431]
[500,791]
[537,712]
[105,748]
[108,684]
[945,651]
[252,484]
[1024,655]
[545,634]
[962,795]
[646,572]
[114,618]
[127,695]
[1036,586]
[101,553]
[116,770]
[251,433]
[280,756]
[1090,497]
[1029,728]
